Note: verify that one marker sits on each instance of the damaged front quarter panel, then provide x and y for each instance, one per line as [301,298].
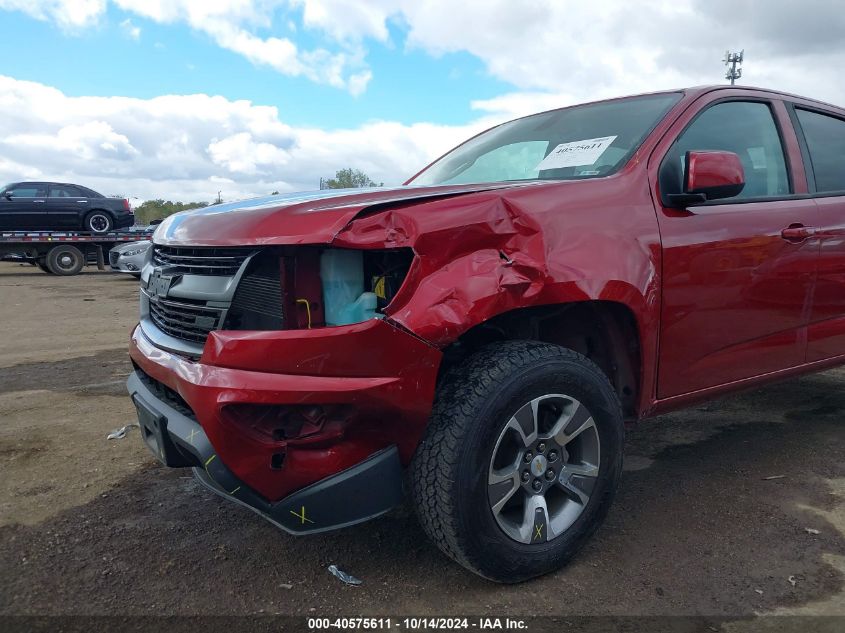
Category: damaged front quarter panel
[487,259]
[488,253]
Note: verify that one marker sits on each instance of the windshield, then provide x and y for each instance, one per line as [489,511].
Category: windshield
[585,141]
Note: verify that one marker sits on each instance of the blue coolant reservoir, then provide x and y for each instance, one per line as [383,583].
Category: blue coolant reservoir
[344,299]
[362,309]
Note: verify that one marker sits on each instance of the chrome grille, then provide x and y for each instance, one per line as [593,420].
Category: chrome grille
[200,260]
[185,319]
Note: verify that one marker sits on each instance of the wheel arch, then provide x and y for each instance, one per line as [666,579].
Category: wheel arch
[606,332]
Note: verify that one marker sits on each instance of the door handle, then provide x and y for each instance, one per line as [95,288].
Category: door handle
[39,201]
[797,232]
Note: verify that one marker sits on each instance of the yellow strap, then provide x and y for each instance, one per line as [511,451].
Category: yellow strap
[307,309]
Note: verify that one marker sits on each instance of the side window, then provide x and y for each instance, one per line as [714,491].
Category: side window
[65,191]
[29,191]
[825,136]
[747,129]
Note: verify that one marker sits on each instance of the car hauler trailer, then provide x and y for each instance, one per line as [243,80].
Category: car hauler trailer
[65,253]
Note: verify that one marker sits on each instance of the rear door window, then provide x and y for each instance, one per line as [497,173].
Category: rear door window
[825,136]
[65,191]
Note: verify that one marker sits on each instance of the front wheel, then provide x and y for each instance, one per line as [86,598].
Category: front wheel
[520,461]
[98,222]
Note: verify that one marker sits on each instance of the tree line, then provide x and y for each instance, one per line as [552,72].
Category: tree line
[159,209]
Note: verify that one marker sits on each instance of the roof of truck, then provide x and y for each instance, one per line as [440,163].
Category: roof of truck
[700,90]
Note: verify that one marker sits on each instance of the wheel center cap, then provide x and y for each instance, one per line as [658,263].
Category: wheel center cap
[539,465]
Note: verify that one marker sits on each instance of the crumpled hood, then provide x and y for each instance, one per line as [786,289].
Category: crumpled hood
[314,217]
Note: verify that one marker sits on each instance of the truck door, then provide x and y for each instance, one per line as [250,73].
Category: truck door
[738,273]
[822,136]
[22,208]
[66,206]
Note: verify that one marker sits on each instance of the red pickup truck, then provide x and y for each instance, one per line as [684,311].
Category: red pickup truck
[479,337]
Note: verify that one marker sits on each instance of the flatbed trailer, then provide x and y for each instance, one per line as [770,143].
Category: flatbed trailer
[67,252]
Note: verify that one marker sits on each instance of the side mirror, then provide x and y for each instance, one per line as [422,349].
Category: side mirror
[8,195]
[710,175]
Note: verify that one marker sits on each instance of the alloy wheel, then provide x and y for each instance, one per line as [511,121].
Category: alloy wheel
[99,223]
[543,468]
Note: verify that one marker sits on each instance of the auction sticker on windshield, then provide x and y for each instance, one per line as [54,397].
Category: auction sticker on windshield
[576,153]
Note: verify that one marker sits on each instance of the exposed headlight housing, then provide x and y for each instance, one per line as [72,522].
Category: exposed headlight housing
[357,285]
[307,287]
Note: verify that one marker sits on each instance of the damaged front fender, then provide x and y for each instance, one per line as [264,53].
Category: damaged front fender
[482,255]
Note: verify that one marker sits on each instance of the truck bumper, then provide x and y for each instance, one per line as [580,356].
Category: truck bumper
[366,391]
[356,494]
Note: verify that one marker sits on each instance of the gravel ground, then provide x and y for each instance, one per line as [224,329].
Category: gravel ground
[727,510]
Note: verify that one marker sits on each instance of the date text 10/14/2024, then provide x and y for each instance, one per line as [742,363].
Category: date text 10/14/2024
[418,624]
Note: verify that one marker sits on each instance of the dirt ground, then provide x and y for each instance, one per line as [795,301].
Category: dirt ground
[728,510]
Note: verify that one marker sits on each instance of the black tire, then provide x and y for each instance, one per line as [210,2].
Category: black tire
[449,472]
[98,222]
[65,260]
[42,264]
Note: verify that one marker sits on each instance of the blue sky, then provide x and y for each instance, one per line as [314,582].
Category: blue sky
[408,85]
[180,99]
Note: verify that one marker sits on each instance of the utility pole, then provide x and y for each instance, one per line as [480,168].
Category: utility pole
[732,59]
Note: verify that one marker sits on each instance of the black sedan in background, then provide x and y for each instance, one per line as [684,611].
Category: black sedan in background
[53,206]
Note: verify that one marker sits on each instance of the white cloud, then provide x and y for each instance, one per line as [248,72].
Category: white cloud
[92,140]
[69,14]
[187,147]
[349,19]
[551,52]
[241,153]
[229,23]
[27,172]
[592,50]
[586,50]
[132,31]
